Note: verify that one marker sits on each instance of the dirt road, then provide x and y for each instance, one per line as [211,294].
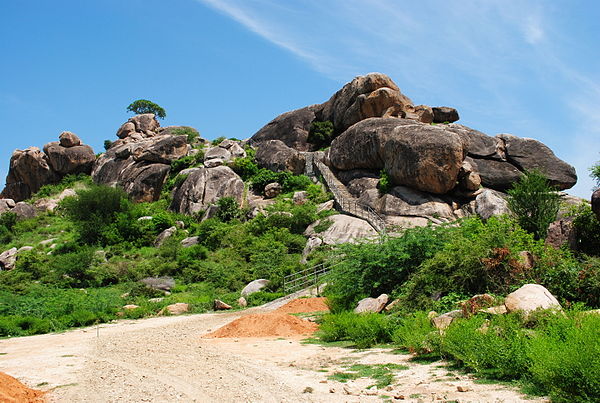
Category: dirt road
[166,360]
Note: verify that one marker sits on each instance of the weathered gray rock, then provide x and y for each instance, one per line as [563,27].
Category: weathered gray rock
[530,297]
[29,171]
[311,244]
[69,139]
[8,258]
[443,114]
[237,151]
[219,305]
[596,203]
[478,144]
[495,174]
[242,302]
[176,309]
[215,162]
[278,157]
[424,157]
[6,205]
[328,205]
[145,124]
[375,305]
[529,154]
[50,203]
[343,229]
[291,128]
[562,232]
[468,177]
[491,203]
[164,235]
[189,241]
[164,149]
[442,322]
[300,197]
[24,210]
[404,201]
[217,152]
[254,286]
[70,160]
[205,186]
[159,283]
[272,190]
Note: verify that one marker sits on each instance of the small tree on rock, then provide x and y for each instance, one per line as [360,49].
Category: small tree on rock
[144,106]
[534,203]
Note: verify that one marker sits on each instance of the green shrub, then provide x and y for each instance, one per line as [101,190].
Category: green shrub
[144,106]
[321,133]
[191,134]
[262,297]
[107,144]
[102,215]
[68,181]
[595,173]
[416,333]
[385,184]
[228,209]
[534,203]
[587,228]
[364,330]
[188,161]
[218,140]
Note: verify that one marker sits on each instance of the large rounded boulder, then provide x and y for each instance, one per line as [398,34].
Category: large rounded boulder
[204,187]
[29,171]
[424,157]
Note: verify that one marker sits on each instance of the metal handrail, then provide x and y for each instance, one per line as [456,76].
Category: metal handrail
[305,278]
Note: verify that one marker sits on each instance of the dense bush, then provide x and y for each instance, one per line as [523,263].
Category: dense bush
[228,209]
[534,203]
[102,215]
[69,181]
[385,183]
[364,330]
[587,228]
[190,133]
[249,171]
[321,133]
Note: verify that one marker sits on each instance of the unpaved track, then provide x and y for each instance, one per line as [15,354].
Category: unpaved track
[166,360]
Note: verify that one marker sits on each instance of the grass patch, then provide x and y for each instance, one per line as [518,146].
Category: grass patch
[382,374]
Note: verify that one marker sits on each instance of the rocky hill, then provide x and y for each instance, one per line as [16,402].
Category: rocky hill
[434,170]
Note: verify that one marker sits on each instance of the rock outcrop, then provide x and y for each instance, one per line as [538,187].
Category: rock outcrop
[278,157]
[343,229]
[205,186]
[139,161]
[530,297]
[30,169]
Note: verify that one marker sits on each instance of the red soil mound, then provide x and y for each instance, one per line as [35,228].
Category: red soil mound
[265,325]
[304,305]
[13,391]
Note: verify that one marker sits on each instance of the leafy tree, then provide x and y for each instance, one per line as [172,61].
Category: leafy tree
[107,144]
[228,209]
[534,203]
[144,106]
[321,133]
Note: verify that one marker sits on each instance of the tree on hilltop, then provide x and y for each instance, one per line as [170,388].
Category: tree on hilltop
[144,106]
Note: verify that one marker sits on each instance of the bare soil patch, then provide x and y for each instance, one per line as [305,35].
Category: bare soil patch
[13,391]
[305,305]
[273,324]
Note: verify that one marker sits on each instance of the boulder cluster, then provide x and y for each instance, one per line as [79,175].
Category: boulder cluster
[30,169]
[437,170]
[434,170]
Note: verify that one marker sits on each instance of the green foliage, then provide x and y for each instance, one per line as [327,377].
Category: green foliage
[595,173]
[416,333]
[383,374]
[364,330]
[218,140]
[69,181]
[144,106]
[228,209]
[191,134]
[262,297]
[370,269]
[534,203]
[385,184]
[321,133]
[102,215]
[107,144]
[587,228]
[323,225]
[188,161]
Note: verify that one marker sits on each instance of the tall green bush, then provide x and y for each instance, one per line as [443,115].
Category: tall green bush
[534,203]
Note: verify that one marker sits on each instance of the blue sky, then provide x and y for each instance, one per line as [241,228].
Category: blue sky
[227,67]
